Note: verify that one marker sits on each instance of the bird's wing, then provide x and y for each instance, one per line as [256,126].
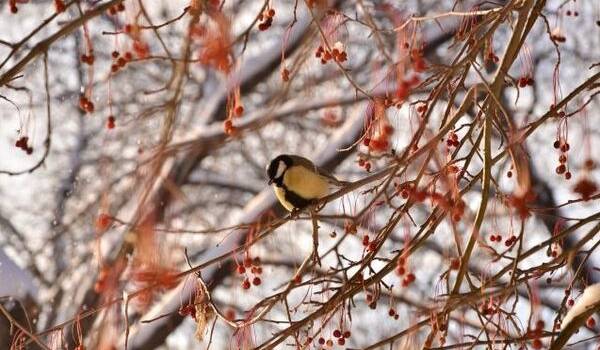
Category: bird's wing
[298,160]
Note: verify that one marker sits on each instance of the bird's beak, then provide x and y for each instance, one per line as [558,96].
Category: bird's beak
[270,181]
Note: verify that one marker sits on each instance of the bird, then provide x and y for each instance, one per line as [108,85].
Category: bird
[298,182]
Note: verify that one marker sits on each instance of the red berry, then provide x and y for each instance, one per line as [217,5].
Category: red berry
[337,333]
[455,264]
[239,110]
[372,246]
[103,221]
[539,325]
[60,6]
[591,322]
[110,123]
[365,240]
[256,281]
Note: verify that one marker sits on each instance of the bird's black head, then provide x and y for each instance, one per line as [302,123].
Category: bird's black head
[277,168]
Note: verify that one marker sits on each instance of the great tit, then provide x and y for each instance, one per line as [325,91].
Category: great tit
[297,182]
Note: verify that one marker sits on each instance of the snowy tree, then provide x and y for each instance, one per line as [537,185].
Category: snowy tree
[137,213]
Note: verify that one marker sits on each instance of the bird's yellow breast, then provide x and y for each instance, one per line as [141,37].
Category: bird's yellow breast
[305,183]
[302,182]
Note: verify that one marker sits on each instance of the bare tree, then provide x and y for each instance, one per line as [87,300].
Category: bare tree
[136,133]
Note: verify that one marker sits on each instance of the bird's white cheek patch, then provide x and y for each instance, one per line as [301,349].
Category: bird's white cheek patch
[280,169]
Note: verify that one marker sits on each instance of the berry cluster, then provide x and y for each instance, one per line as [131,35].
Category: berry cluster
[492,57]
[285,74]
[141,48]
[401,271]
[572,13]
[266,19]
[378,130]
[418,61]
[363,163]
[341,338]
[88,58]
[350,227]
[392,313]
[496,238]
[255,268]
[381,141]
[452,140]
[119,61]
[188,310]
[337,53]
[370,245]
[520,202]
[229,128]
[85,104]
[22,143]
[454,263]
[60,6]
[585,188]
[113,10]
[526,81]
[537,333]
[371,301]
[404,189]
[456,206]
[509,242]
[110,122]
[339,335]
[404,86]
[564,147]
[489,307]
[13,6]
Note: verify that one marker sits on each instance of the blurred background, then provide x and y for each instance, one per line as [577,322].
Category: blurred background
[134,133]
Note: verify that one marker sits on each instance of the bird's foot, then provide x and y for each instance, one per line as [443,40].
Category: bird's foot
[295,213]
